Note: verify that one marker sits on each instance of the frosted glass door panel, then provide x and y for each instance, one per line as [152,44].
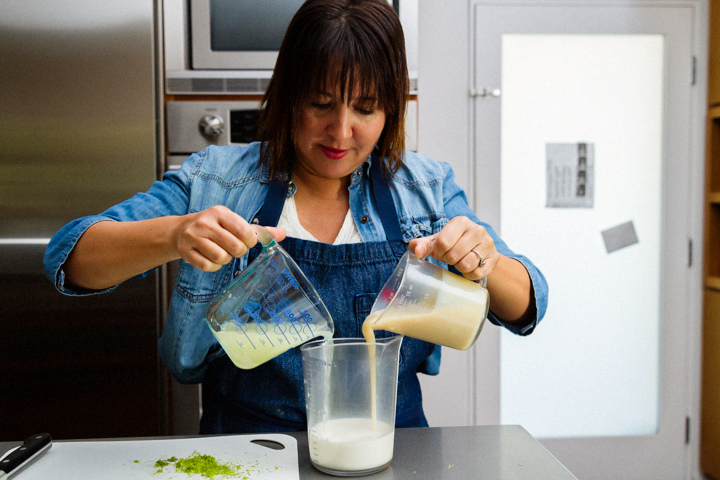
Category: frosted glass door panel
[582,122]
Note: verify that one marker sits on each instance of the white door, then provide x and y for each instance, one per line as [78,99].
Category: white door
[583,156]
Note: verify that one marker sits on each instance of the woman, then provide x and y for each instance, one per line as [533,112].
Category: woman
[330,172]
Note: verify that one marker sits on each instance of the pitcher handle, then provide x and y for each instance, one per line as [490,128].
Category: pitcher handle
[264,237]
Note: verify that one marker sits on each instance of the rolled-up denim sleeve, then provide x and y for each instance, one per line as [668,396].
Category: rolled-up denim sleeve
[166,197]
[456,204]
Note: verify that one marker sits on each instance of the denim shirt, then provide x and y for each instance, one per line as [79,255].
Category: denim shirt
[425,195]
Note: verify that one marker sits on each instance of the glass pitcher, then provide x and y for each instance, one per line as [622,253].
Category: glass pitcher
[270,308]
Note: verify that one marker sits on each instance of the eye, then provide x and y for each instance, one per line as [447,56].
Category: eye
[320,105]
[366,108]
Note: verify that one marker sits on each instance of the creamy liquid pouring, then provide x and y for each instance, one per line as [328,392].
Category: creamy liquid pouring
[369,335]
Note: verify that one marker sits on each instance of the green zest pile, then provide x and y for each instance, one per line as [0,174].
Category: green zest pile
[205,465]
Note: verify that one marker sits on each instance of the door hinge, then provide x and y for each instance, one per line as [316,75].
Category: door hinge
[690,252]
[687,430]
[694,69]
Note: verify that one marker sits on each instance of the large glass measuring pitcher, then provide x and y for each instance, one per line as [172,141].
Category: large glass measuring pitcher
[270,308]
[350,395]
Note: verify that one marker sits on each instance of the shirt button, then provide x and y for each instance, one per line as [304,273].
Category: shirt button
[237,273]
[364,219]
[255,221]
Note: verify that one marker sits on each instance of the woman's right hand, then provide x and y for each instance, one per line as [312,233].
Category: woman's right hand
[111,252]
[212,238]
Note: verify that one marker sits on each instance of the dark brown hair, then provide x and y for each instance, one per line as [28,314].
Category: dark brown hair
[329,43]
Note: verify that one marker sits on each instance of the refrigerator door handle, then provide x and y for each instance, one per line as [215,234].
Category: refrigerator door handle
[24,241]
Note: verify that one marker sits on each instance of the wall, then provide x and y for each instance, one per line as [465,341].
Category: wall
[444,133]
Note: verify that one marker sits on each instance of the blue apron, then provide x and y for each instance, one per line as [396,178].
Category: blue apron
[270,398]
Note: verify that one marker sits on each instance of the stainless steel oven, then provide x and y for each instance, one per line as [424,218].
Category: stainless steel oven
[195,125]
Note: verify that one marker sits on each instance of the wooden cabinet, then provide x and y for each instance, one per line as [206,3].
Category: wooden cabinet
[710,421]
[714,55]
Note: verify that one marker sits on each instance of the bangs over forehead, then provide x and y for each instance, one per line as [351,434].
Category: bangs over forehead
[348,77]
[343,49]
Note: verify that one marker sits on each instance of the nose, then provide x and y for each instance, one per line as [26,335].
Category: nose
[340,126]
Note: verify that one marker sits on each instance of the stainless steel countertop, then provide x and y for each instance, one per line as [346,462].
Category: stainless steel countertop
[506,452]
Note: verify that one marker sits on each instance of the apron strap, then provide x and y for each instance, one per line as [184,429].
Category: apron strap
[277,192]
[274,201]
[386,207]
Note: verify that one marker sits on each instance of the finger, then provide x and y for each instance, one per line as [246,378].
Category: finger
[236,235]
[455,240]
[480,259]
[454,249]
[278,234]
[464,244]
[210,239]
[421,247]
[469,262]
[485,264]
[198,260]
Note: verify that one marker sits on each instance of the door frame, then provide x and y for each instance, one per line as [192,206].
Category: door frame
[486,361]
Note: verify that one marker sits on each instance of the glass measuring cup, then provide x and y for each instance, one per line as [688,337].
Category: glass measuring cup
[350,396]
[270,308]
[423,301]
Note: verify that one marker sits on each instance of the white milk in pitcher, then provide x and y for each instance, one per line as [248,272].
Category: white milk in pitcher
[351,444]
[252,346]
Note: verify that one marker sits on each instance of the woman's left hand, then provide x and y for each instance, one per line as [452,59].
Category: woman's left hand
[462,243]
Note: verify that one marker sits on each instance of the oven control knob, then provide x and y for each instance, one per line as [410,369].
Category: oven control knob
[211,126]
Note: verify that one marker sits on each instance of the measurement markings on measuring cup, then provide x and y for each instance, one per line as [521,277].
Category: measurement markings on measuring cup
[307,318]
[293,321]
[313,445]
[240,327]
[263,330]
[279,328]
[285,281]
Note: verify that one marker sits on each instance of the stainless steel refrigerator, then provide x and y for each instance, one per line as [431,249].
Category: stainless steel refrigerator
[78,133]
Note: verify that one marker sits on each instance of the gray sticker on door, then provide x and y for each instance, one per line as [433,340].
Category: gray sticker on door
[619,237]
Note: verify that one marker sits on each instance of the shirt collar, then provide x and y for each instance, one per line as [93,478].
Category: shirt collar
[362,171]
[265,173]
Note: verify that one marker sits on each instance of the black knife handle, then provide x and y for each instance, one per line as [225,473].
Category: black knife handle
[32,446]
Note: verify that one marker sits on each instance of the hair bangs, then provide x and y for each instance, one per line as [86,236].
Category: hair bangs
[344,64]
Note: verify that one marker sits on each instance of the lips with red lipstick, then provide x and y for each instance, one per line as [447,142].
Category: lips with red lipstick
[333,153]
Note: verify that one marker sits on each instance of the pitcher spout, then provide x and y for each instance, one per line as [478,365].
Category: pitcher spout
[390,346]
[391,341]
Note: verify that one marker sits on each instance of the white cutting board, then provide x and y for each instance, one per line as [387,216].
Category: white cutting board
[130,459]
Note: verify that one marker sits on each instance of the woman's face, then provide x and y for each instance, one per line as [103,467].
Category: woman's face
[334,137]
